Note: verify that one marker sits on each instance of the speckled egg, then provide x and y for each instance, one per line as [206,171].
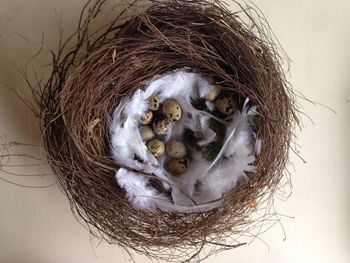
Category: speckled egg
[146,118]
[212,94]
[225,105]
[178,166]
[146,133]
[161,127]
[175,149]
[156,147]
[172,110]
[154,102]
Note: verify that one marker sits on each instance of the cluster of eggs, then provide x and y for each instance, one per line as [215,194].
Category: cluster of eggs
[151,127]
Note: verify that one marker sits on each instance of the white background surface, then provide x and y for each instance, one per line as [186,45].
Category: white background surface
[36,226]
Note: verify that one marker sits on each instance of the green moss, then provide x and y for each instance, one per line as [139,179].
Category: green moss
[218,128]
[253,121]
[211,151]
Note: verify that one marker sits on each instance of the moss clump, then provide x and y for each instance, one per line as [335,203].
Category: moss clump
[253,121]
[210,151]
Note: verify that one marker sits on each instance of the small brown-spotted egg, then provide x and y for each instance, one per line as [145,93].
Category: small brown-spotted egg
[156,147]
[154,102]
[178,166]
[225,105]
[172,110]
[161,127]
[146,133]
[175,149]
[213,93]
[146,118]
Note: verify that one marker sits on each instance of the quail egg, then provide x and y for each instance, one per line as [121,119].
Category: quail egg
[146,133]
[154,102]
[161,127]
[172,110]
[225,105]
[178,166]
[146,118]
[212,94]
[156,147]
[175,149]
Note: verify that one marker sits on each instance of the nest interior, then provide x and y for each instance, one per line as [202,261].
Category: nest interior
[89,80]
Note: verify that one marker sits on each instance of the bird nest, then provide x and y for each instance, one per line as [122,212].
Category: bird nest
[94,72]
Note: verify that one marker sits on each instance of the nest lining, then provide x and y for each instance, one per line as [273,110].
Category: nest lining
[89,81]
[215,167]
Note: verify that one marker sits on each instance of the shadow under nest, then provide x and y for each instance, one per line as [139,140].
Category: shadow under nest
[89,80]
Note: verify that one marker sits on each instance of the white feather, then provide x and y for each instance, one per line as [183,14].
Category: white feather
[210,105]
[139,193]
[144,197]
[137,106]
[258,146]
